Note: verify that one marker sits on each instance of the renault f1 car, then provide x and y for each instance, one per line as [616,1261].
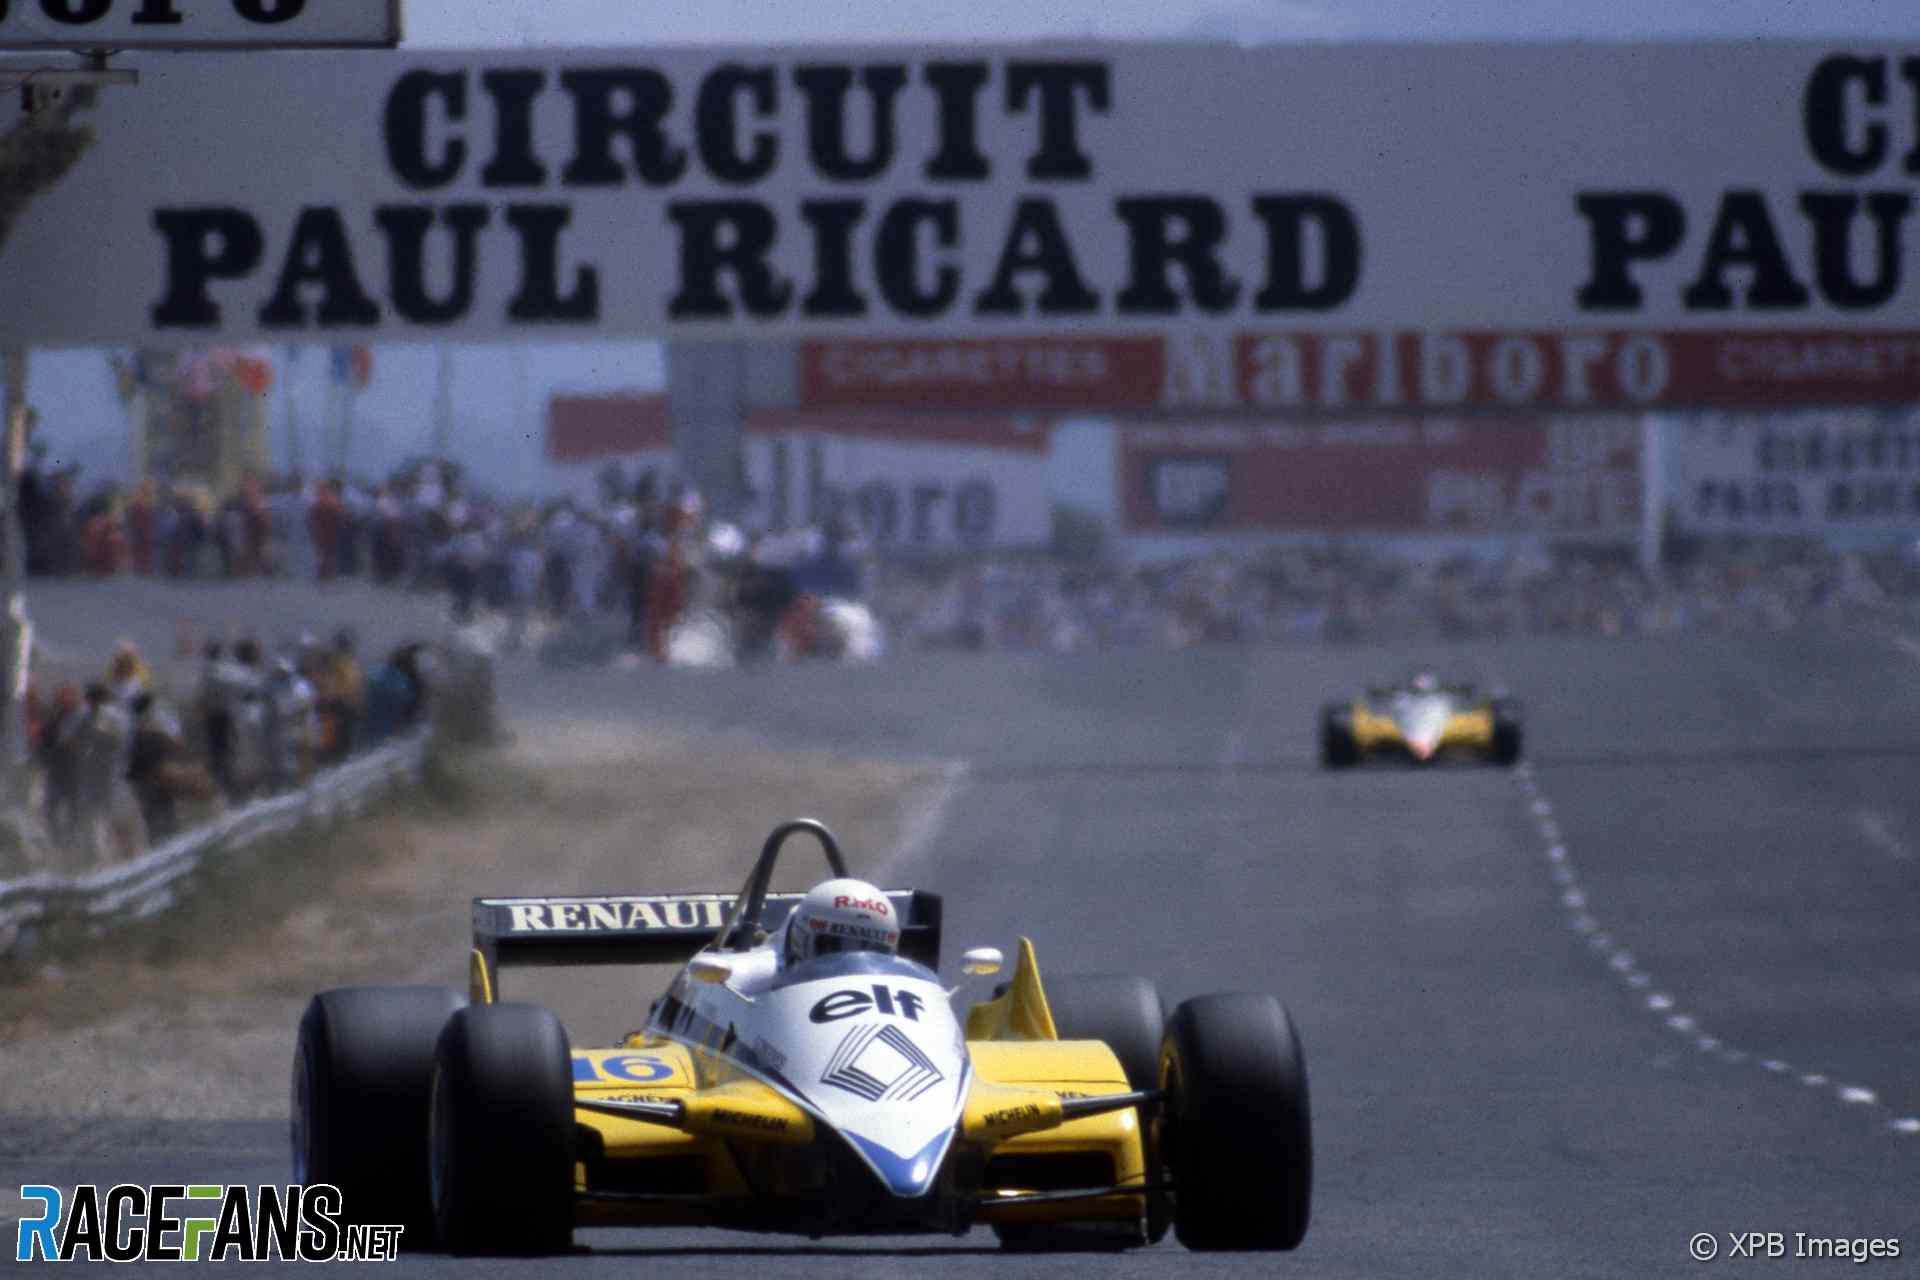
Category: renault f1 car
[1420,721]
[843,1095]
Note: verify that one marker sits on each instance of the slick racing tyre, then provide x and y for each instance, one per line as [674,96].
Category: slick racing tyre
[1506,733]
[1337,747]
[362,1070]
[1235,1132]
[1125,1013]
[501,1134]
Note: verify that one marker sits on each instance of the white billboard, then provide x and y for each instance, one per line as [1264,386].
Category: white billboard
[1796,473]
[199,24]
[976,192]
[928,485]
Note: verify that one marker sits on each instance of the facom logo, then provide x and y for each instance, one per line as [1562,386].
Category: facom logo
[196,1223]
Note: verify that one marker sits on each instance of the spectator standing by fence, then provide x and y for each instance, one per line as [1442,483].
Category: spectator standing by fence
[290,726]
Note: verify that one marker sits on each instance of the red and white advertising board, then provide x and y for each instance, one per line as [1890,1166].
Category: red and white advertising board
[1577,476]
[1347,373]
[923,483]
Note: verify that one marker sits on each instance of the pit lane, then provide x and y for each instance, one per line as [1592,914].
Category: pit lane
[1491,1096]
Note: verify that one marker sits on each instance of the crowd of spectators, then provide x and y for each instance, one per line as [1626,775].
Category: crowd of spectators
[1334,594]
[645,553]
[421,528]
[122,760]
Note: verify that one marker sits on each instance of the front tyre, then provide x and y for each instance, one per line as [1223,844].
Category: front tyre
[1338,749]
[502,1141]
[1235,1131]
[1506,733]
[362,1070]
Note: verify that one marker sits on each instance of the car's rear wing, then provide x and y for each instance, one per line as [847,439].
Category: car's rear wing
[663,928]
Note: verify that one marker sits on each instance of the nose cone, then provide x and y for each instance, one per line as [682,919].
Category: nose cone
[906,1176]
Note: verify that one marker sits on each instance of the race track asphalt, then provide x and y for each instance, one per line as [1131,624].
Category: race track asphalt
[1663,980]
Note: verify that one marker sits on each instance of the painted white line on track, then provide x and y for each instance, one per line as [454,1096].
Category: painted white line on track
[1580,919]
[1879,833]
[923,822]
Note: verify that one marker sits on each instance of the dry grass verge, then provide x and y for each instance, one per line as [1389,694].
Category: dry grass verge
[193,1015]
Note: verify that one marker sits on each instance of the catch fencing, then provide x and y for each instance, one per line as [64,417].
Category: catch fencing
[42,905]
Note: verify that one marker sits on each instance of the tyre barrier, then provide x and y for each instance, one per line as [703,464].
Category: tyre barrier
[36,906]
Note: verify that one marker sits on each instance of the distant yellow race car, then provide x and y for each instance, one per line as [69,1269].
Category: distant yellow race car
[840,1094]
[1420,721]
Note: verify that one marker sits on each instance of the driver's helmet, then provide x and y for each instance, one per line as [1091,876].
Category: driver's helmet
[841,915]
[1425,682]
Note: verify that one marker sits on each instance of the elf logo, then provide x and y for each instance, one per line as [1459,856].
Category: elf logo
[895,1002]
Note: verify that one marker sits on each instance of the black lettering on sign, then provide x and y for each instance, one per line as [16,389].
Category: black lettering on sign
[203,245]
[156,13]
[1832,213]
[75,12]
[732,237]
[833,293]
[717,123]
[514,163]
[973,513]
[1169,231]
[406,228]
[1036,242]
[828,145]
[1294,283]
[269,11]
[620,102]
[539,299]
[405,127]
[1060,86]
[925,498]
[1825,114]
[1624,227]
[1743,236]
[896,256]
[320,255]
[957,85]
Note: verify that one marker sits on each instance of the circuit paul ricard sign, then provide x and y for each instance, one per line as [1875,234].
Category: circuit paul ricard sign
[1367,194]
[198,24]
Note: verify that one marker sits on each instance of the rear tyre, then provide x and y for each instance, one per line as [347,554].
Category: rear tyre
[502,1140]
[1128,1015]
[1506,733]
[362,1074]
[1235,1131]
[1338,750]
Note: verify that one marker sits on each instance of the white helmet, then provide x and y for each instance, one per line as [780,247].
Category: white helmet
[841,915]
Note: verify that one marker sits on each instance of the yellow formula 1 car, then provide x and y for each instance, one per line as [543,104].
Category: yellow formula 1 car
[1420,721]
[841,1095]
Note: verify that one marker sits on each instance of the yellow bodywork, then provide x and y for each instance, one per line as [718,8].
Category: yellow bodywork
[1011,1121]
[1466,730]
